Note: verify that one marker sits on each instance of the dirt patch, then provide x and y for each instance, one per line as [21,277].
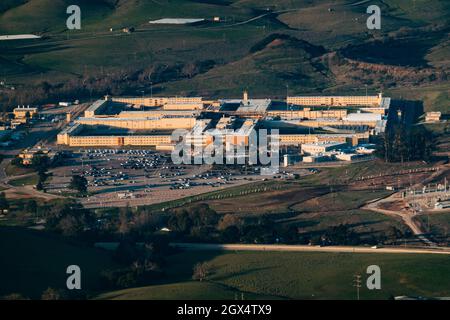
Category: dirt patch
[394,206]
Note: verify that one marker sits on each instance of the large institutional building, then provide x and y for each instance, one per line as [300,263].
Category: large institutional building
[150,121]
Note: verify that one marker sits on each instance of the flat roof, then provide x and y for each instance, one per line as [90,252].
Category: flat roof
[102,130]
[176,20]
[25,109]
[96,105]
[323,144]
[19,37]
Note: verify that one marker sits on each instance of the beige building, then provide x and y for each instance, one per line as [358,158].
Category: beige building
[20,113]
[300,139]
[28,155]
[321,147]
[119,141]
[71,136]
[157,123]
[183,106]
[157,113]
[107,121]
[336,101]
[157,101]
[318,123]
[307,113]
[433,116]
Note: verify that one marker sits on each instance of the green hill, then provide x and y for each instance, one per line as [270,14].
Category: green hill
[32,261]
[189,290]
[295,275]
[272,64]
[409,54]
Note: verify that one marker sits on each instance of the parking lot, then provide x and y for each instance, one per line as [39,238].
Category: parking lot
[120,177]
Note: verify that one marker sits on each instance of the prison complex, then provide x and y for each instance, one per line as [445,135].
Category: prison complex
[150,121]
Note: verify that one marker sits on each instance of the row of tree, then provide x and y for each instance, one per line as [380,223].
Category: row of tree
[401,143]
[118,81]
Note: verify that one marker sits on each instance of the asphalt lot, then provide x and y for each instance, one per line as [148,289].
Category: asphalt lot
[120,177]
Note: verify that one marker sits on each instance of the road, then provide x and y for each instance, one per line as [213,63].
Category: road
[303,248]
[55,38]
[406,216]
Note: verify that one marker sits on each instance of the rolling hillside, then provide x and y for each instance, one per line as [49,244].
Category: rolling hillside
[275,275]
[259,45]
[39,261]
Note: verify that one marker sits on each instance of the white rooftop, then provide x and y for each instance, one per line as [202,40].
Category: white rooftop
[254,105]
[96,105]
[175,21]
[362,117]
[324,144]
[19,37]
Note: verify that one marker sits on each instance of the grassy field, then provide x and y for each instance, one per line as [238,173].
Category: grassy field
[416,32]
[12,170]
[188,290]
[25,181]
[298,276]
[33,261]
[340,201]
[438,223]
[313,203]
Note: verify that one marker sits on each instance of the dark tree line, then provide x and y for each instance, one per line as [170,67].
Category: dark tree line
[401,143]
[93,84]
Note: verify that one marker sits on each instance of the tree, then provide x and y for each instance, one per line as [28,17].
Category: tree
[201,271]
[125,216]
[14,296]
[230,235]
[69,219]
[70,226]
[51,294]
[39,186]
[40,162]
[78,183]
[400,143]
[395,234]
[126,252]
[4,204]
[180,222]
[229,220]
[31,206]
[17,162]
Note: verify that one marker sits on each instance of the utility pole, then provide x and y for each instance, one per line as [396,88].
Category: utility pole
[287,95]
[357,284]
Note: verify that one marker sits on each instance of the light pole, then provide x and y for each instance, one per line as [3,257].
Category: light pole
[357,284]
[287,94]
